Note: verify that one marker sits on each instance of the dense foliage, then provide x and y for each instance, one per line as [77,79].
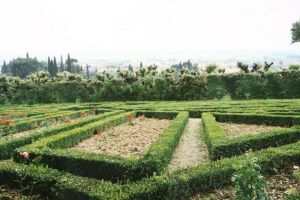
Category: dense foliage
[249,183]
[296,32]
[40,151]
[147,83]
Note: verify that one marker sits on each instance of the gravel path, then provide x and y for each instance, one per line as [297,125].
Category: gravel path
[191,149]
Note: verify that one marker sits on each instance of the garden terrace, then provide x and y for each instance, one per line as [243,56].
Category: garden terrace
[220,145]
[180,184]
[55,154]
[7,146]
[56,171]
[127,139]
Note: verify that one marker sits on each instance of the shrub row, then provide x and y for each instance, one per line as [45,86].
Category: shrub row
[158,115]
[248,118]
[32,123]
[216,174]
[179,185]
[7,147]
[113,168]
[55,184]
[220,145]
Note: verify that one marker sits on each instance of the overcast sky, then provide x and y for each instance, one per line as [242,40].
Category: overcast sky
[146,26]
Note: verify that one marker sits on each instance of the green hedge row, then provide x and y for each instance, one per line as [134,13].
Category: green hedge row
[7,147]
[55,184]
[213,133]
[158,115]
[179,185]
[220,145]
[32,123]
[216,174]
[103,166]
[248,118]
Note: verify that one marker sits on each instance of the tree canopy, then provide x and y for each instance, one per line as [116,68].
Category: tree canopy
[296,32]
[22,67]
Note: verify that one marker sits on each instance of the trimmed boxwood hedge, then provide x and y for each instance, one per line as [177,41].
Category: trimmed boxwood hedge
[28,124]
[220,145]
[248,118]
[7,147]
[102,166]
[179,185]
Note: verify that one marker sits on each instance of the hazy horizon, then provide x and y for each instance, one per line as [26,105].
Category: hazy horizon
[134,28]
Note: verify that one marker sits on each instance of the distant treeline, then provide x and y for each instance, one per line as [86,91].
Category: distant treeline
[147,83]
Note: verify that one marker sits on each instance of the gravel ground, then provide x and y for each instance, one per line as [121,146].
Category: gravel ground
[191,149]
[126,139]
[237,130]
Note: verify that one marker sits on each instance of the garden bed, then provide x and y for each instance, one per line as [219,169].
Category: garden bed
[7,193]
[279,187]
[128,139]
[234,130]
[41,129]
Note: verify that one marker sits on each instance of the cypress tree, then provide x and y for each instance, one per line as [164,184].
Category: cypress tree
[69,64]
[87,72]
[55,68]
[62,66]
[49,66]
[130,68]
[4,69]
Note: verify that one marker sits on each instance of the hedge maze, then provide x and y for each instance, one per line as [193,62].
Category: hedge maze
[56,171]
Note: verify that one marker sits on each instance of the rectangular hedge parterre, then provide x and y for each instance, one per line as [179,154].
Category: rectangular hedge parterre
[114,168]
[179,185]
[27,124]
[220,146]
[7,147]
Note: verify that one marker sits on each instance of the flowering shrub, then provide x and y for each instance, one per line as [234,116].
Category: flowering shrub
[130,117]
[24,155]
[7,122]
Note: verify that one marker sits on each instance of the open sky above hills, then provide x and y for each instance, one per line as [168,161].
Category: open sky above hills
[142,27]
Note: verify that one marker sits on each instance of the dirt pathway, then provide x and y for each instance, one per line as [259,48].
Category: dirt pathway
[191,149]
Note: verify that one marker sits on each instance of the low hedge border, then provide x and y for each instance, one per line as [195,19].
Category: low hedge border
[297,175]
[220,145]
[56,184]
[179,185]
[7,147]
[31,123]
[248,118]
[158,114]
[212,175]
[102,166]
